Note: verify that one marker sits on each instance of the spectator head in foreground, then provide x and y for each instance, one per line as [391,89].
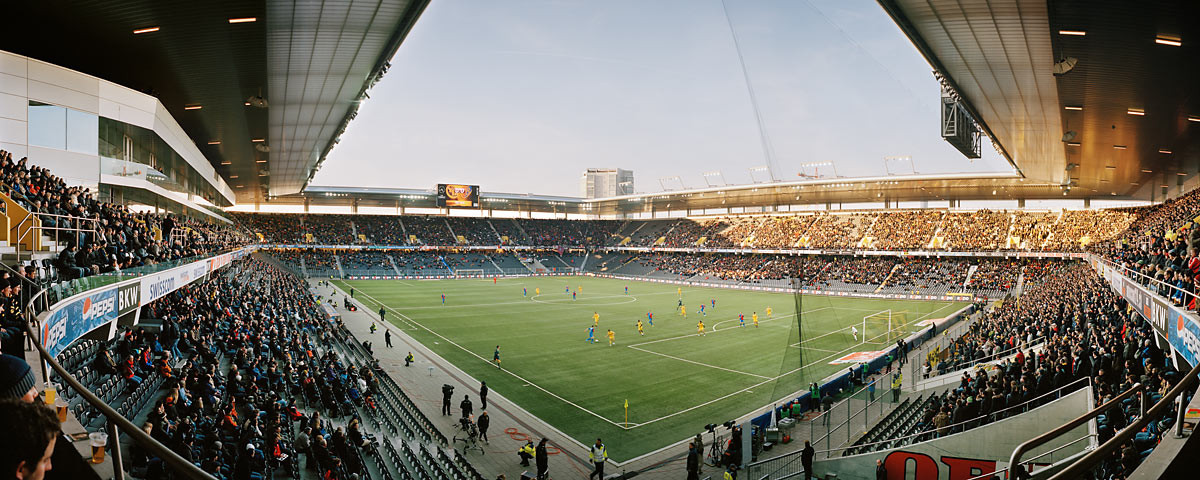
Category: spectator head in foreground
[28,443]
[16,379]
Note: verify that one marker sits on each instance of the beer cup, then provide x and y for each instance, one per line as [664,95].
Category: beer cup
[98,440]
[61,409]
[51,392]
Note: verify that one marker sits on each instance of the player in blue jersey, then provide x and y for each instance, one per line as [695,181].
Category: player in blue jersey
[591,331]
[524,292]
[702,310]
[714,303]
[627,289]
[742,319]
[650,318]
[573,296]
[443,299]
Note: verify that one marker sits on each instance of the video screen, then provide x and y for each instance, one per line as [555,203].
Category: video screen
[452,195]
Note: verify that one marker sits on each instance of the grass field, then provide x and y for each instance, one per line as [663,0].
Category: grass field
[674,380]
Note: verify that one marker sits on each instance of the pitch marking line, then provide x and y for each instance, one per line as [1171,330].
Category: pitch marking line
[489,362]
[693,362]
[771,379]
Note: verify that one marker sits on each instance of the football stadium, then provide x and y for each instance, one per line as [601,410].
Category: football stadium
[414,240]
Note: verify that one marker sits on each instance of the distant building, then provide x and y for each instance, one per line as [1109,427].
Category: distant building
[606,182]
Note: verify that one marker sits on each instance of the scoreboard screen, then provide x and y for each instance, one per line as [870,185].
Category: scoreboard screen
[452,195]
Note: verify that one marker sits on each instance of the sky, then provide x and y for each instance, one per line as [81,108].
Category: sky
[522,96]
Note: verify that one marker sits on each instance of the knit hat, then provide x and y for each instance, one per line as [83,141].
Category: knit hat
[16,378]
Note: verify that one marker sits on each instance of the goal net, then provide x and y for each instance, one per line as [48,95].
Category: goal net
[883,327]
[469,271]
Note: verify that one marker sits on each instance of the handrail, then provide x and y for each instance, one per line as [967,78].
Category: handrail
[1104,450]
[1022,404]
[177,463]
[1066,427]
[1146,280]
[992,475]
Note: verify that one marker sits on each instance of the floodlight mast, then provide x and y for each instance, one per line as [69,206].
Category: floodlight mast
[902,159]
[717,174]
[761,168]
[664,180]
[816,166]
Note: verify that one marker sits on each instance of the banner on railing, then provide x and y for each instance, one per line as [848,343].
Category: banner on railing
[1180,327]
[78,317]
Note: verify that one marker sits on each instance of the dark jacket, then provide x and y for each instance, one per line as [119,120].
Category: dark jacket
[693,460]
[543,460]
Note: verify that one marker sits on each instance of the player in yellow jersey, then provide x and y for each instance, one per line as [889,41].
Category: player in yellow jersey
[640,331]
[679,290]
[596,318]
[683,311]
[768,312]
[611,338]
[754,317]
[700,327]
[537,291]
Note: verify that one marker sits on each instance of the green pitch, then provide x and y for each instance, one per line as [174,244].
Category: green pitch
[675,380]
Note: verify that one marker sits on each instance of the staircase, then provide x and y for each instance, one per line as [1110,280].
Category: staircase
[494,231]
[337,261]
[970,273]
[394,267]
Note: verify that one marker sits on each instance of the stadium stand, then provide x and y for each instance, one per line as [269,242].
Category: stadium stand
[245,363]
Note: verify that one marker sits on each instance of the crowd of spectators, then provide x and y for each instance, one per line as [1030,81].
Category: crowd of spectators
[429,230]
[365,260]
[905,230]
[995,274]
[107,237]
[1077,229]
[508,231]
[1084,331]
[380,229]
[416,263]
[857,270]
[572,233]
[476,231]
[922,274]
[979,230]
[329,229]
[252,341]
[273,227]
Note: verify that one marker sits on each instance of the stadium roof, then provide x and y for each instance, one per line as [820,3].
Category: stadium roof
[1131,101]
[885,190]
[311,61]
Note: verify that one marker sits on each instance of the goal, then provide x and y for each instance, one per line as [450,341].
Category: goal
[466,272]
[883,327]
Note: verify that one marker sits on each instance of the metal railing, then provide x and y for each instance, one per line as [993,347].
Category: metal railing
[954,375]
[770,466]
[176,463]
[1175,295]
[39,228]
[1031,461]
[854,416]
[1105,450]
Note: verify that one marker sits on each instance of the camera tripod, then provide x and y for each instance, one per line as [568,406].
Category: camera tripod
[715,451]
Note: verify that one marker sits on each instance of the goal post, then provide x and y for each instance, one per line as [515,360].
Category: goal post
[883,327]
[469,271]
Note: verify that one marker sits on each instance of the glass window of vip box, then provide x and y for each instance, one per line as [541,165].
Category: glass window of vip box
[52,126]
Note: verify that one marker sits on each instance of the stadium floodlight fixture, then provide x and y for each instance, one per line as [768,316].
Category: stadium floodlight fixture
[900,159]
[816,166]
[145,30]
[1119,147]
[1194,118]
[1164,150]
[1073,107]
[214,142]
[663,181]
[193,107]
[1074,33]
[711,174]
[1136,111]
[243,20]
[761,168]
